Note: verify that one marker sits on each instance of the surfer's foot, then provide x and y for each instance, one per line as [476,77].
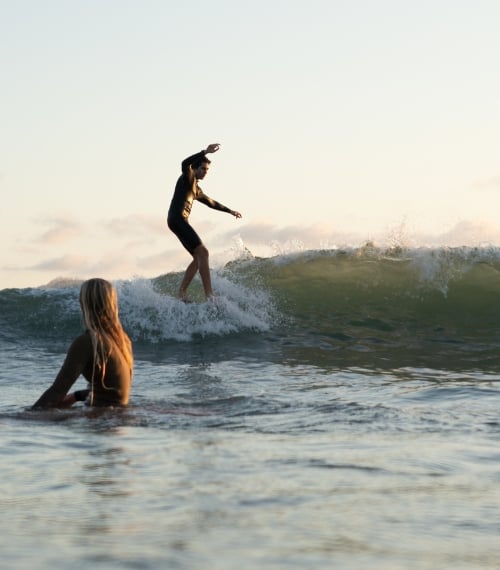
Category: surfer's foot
[182,296]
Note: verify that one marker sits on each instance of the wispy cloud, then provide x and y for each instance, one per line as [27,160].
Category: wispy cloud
[137,224]
[165,260]
[63,263]
[61,230]
[467,232]
[313,236]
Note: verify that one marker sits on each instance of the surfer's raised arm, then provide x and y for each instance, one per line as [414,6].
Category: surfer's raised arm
[214,147]
[195,158]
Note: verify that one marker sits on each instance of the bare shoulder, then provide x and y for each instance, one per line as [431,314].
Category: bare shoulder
[81,344]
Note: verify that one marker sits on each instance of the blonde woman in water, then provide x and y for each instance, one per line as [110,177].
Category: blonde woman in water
[102,354]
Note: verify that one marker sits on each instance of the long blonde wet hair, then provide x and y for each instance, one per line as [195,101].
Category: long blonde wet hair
[99,304]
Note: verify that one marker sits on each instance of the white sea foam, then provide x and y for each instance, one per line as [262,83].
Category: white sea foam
[153,315]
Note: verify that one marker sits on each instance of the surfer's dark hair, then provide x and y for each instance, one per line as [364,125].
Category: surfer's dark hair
[199,161]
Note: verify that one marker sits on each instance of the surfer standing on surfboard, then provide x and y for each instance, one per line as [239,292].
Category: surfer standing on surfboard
[194,168]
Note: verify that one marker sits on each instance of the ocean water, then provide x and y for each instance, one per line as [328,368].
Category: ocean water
[333,409]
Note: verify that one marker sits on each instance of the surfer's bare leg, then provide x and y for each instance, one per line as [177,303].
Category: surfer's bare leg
[199,263]
[191,270]
[200,254]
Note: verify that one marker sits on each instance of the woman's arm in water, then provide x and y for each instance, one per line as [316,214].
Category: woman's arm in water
[77,358]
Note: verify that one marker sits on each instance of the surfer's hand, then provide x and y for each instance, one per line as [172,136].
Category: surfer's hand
[235,214]
[214,147]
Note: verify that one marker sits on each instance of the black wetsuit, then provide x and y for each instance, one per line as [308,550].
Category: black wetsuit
[186,191]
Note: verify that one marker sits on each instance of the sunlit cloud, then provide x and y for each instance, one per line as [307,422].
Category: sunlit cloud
[110,266]
[62,230]
[137,224]
[63,263]
[313,236]
[268,240]
[472,233]
[165,261]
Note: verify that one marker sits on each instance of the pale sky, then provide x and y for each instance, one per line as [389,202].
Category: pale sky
[339,121]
